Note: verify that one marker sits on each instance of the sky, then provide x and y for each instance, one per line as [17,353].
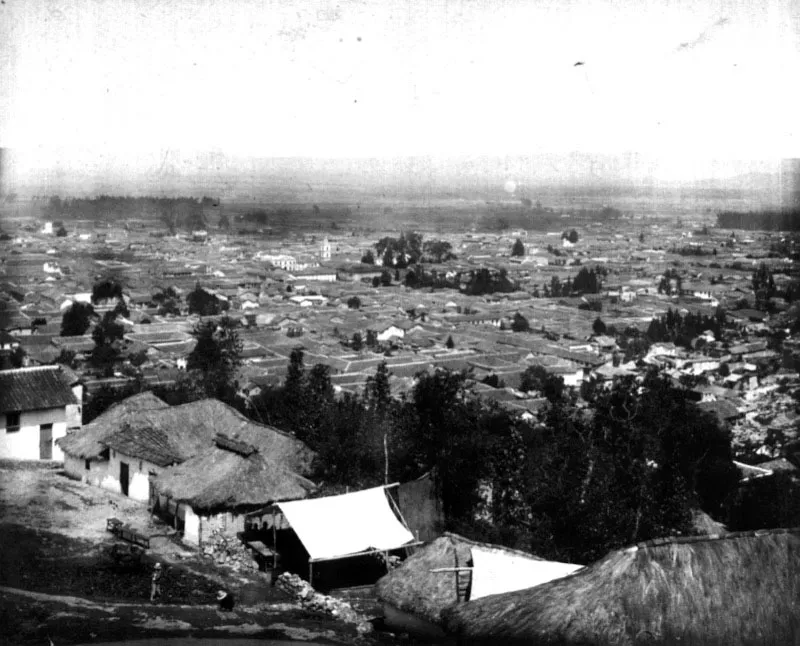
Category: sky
[115,89]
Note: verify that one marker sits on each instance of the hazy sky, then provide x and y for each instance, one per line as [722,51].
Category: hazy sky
[114,87]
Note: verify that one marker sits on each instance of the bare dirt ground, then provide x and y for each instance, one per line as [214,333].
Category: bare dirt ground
[58,582]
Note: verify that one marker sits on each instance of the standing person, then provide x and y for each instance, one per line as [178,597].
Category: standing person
[155,582]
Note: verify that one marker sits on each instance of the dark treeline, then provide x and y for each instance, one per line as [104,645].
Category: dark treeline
[174,212]
[541,218]
[777,220]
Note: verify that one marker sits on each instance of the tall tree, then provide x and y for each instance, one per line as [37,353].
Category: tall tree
[216,357]
[518,249]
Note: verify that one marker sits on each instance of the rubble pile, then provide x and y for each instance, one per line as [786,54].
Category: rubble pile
[310,599]
[224,550]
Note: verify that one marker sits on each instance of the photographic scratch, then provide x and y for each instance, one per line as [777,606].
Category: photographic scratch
[703,37]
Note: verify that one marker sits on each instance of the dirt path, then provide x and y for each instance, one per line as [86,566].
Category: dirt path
[58,583]
[34,618]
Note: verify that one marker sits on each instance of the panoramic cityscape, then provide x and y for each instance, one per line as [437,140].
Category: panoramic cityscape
[388,323]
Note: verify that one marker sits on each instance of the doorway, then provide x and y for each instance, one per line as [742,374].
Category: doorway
[123,477]
[46,442]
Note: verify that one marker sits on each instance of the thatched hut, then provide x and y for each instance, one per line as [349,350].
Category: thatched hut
[125,447]
[453,569]
[216,488]
[86,455]
[740,589]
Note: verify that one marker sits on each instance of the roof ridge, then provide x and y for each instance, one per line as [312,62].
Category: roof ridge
[679,540]
[31,369]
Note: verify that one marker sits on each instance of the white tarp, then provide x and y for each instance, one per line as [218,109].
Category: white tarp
[496,571]
[346,524]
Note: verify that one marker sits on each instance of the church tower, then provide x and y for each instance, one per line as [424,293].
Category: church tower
[326,249]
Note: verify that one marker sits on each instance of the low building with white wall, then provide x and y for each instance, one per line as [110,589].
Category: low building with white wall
[38,406]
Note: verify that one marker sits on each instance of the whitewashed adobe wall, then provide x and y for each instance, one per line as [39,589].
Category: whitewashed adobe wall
[24,443]
[138,476]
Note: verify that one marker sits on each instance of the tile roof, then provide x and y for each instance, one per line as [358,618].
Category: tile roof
[36,388]
[145,443]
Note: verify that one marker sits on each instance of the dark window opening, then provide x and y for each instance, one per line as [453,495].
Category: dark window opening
[88,465]
[12,422]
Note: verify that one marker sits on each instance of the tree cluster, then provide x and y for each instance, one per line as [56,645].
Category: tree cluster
[486,281]
[681,330]
[570,236]
[588,281]
[400,252]
[763,285]
[106,289]
[573,488]
[670,283]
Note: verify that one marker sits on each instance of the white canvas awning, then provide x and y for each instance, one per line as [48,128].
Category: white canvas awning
[338,526]
[497,571]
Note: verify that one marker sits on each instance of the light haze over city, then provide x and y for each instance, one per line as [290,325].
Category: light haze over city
[115,93]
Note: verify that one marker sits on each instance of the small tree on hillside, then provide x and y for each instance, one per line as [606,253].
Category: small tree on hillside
[518,249]
[598,326]
[449,343]
[354,302]
[520,323]
[357,343]
[368,258]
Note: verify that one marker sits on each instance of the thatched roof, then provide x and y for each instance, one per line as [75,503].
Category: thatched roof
[737,590]
[415,589]
[704,525]
[87,442]
[221,478]
[191,428]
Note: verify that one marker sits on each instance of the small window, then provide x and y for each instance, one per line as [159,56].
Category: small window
[12,422]
[140,465]
[87,465]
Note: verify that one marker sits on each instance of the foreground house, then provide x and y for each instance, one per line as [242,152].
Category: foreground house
[38,406]
[451,570]
[741,589]
[133,442]
[217,488]
[87,457]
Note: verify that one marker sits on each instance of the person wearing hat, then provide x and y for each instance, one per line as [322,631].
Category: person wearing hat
[155,582]
[225,600]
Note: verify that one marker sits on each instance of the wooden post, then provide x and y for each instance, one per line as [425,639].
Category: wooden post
[385,460]
[274,546]
[311,574]
[458,587]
